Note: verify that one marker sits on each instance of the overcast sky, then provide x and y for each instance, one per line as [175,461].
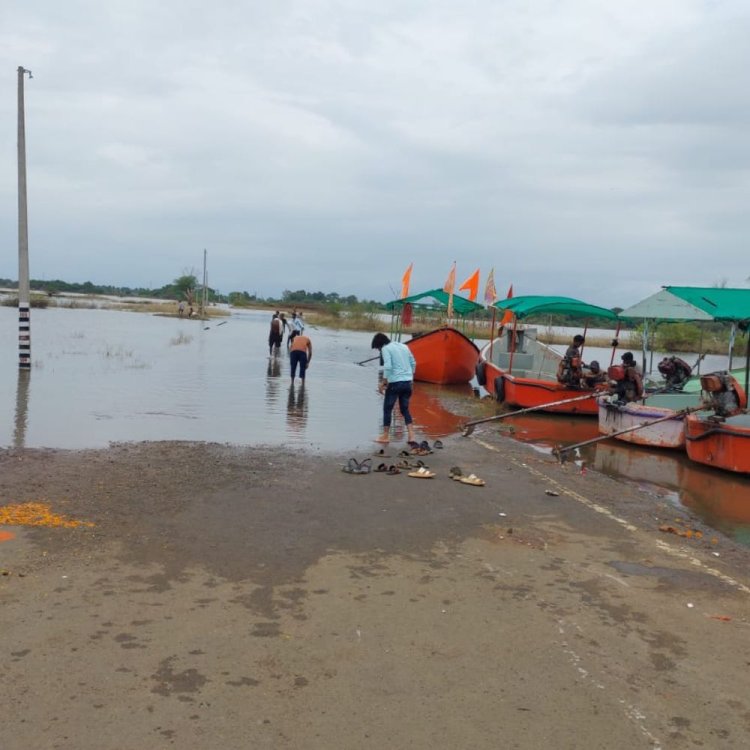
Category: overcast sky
[585,147]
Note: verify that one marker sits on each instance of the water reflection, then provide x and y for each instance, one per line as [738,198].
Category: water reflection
[296,409]
[720,499]
[549,431]
[22,408]
[273,382]
[429,408]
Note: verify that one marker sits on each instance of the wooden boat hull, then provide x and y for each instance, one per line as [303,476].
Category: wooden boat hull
[669,433]
[724,444]
[444,356]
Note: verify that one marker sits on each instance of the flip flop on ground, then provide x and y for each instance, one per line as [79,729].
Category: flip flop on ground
[421,473]
[473,480]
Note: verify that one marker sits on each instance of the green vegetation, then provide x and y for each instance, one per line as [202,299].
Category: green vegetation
[35,301]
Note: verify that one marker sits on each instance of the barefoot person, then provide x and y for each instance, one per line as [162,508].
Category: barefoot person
[398,375]
[300,353]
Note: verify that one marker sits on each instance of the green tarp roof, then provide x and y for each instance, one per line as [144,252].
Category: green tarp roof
[461,305]
[523,307]
[692,303]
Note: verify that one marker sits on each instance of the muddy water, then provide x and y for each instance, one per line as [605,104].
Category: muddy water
[720,499]
[102,376]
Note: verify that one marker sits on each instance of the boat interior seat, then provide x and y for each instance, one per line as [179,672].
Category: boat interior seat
[522,361]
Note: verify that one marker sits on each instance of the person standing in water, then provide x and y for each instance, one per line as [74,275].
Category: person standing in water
[398,375]
[274,336]
[300,353]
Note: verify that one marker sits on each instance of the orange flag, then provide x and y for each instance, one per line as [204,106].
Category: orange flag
[508,317]
[405,281]
[490,293]
[450,282]
[449,286]
[471,285]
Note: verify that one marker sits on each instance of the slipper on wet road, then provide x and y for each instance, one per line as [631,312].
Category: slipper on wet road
[381,468]
[392,470]
[421,473]
[355,467]
[456,472]
[473,480]
[438,444]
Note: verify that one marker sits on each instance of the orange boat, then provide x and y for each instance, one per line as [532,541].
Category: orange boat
[723,442]
[721,437]
[444,356]
[522,372]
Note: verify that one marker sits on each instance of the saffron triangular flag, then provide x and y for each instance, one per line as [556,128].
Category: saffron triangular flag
[508,317]
[449,286]
[490,293]
[405,281]
[471,285]
[450,282]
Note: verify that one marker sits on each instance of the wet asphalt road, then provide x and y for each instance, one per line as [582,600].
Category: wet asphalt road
[233,598]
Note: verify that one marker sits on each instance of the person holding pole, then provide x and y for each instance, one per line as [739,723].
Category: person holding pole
[398,375]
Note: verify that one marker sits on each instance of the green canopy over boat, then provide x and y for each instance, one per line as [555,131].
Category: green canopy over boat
[439,297]
[694,303]
[524,307]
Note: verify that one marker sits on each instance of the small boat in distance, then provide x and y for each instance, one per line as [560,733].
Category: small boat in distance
[444,355]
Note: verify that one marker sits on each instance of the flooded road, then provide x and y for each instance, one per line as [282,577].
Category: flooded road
[103,376]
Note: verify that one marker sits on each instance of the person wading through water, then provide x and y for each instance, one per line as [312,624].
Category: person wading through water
[398,375]
[274,336]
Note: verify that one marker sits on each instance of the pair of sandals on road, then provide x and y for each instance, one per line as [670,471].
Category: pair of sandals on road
[418,470]
[457,474]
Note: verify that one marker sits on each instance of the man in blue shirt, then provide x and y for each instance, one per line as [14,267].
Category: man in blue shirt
[398,375]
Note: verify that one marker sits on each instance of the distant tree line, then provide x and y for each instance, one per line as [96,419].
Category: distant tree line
[186,286]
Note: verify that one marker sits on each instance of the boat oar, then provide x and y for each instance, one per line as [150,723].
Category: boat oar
[372,359]
[469,426]
[681,413]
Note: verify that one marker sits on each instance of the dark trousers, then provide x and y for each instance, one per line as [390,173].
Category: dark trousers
[401,392]
[298,358]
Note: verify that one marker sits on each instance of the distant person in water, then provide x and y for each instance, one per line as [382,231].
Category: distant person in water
[398,375]
[300,354]
[274,336]
[284,327]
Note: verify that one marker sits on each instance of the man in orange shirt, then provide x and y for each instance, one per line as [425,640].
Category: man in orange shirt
[300,353]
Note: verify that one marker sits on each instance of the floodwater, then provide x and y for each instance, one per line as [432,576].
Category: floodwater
[103,376]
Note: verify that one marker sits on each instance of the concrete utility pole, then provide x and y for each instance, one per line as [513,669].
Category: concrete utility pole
[24,295]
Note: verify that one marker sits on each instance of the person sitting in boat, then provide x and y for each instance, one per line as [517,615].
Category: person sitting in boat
[675,371]
[593,375]
[570,369]
[627,382]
